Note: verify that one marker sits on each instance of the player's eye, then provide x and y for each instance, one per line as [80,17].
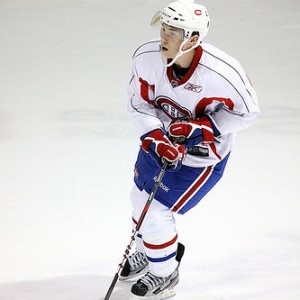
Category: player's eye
[175,34]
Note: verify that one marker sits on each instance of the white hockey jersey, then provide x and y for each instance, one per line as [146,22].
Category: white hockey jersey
[215,85]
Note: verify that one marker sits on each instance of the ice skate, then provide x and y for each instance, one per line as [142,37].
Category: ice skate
[152,287]
[135,265]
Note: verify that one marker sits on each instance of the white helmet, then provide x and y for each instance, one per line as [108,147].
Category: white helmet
[187,15]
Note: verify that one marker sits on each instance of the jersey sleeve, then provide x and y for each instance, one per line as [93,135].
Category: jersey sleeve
[140,93]
[242,108]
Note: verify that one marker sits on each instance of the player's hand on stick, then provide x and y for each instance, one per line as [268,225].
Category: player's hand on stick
[161,149]
[193,132]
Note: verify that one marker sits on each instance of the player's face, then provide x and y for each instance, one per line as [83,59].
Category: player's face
[171,39]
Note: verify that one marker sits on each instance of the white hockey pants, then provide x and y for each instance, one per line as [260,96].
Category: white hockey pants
[157,236]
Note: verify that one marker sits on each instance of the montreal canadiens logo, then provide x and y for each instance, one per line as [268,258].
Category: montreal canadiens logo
[172,109]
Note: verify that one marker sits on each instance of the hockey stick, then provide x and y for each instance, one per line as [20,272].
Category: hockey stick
[137,227]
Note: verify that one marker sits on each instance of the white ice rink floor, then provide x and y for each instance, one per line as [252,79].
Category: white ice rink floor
[67,150]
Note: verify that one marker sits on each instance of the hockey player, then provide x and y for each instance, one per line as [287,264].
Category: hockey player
[187,99]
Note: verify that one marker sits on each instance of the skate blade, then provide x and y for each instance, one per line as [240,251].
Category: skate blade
[166,294]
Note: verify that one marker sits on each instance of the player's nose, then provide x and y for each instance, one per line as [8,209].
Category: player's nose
[163,38]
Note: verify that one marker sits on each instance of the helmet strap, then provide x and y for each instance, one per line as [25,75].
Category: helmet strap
[181,52]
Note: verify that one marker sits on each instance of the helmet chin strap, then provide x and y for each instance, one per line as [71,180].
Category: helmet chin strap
[180,52]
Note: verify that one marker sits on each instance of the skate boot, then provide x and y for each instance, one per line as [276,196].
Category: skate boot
[158,288]
[152,287]
[135,265]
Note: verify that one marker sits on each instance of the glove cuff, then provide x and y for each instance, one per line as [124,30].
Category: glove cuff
[155,132]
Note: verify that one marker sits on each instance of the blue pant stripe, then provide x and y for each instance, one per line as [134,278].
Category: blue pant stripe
[161,258]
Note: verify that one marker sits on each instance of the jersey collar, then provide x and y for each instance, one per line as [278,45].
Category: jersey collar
[176,82]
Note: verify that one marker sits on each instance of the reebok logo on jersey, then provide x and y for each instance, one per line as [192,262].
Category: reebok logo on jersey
[193,87]
[162,186]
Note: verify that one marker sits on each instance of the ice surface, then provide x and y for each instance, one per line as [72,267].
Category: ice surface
[67,150]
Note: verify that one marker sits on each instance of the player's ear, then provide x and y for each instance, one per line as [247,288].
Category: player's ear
[194,39]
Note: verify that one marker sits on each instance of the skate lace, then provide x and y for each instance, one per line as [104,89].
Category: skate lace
[152,281]
[137,260]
